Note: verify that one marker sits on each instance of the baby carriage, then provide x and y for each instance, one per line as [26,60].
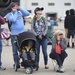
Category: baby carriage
[22,41]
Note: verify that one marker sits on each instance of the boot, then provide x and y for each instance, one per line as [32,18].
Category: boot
[68,45]
[72,45]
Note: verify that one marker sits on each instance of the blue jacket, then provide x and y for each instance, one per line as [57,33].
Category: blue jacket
[52,22]
[16,18]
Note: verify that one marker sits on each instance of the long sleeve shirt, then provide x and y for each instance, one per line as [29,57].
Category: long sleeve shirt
[16,18]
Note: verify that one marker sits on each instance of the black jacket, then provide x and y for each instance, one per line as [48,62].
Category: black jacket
[71,20]
[66,22]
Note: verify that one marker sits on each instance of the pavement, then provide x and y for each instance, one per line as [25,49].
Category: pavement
[69,63]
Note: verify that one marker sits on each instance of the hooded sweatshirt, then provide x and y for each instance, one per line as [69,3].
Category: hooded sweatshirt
[16,19]
[66,21]
[71,22]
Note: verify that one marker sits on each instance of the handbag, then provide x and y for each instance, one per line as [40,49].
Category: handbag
[58,49]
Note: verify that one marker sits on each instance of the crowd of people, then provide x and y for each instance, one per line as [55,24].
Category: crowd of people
[39,27]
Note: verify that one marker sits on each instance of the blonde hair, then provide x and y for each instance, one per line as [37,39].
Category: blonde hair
[58,32]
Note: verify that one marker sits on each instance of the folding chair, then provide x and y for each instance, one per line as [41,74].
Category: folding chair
[54,63]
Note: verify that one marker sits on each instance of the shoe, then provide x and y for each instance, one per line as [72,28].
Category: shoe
[18,66]
[58,69]
[61,69]
[68,45]
[46,67]
[72,45]
[2,68]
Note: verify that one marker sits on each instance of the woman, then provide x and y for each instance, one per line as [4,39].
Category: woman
[59,56]
[39,28]
[15,18]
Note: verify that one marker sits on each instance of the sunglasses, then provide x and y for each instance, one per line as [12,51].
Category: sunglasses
[61,34]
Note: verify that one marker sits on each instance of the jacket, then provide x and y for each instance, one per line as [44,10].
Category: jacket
[2,21]
[63,44]
[16,20]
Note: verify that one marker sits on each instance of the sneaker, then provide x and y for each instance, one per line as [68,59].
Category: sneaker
[68,45]
[61,69]
[2,68]
[46,67]
[72,45]
[58,69]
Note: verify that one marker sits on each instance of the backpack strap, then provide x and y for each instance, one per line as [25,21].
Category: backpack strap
[41,18]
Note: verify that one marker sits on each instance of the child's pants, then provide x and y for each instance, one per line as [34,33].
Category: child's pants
[32,55]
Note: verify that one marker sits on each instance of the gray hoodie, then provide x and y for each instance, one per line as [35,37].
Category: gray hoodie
[63,43]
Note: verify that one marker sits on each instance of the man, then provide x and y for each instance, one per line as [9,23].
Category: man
[2,21]
[15,17]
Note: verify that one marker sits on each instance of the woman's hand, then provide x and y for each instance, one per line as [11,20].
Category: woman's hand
[14,9]
[40,37]
[58,37]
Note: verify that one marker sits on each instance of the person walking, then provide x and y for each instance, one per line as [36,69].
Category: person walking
[15,18]
[39,28]
[2,21]
[66,24]
[71,27]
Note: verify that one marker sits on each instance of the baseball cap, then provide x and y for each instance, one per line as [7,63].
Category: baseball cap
[38,9]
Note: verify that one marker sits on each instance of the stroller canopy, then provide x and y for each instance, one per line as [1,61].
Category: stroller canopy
[25,36]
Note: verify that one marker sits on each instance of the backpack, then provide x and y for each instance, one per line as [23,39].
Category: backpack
[9,25]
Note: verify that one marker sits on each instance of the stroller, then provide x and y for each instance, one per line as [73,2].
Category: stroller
[22,41]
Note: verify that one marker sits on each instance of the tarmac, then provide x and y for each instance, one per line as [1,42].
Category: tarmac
[69,62]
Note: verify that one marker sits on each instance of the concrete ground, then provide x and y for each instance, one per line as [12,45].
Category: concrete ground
[69,63]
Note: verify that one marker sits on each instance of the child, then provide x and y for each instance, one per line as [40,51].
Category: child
[28,49]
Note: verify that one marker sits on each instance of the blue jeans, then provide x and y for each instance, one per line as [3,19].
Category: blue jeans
[0,51]
[14,49]
[42,43]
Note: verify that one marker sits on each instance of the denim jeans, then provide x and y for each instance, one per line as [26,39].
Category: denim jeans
[14,49]
[42,43]
[0,52]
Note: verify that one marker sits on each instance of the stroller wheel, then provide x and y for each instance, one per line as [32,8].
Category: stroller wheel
[29,70]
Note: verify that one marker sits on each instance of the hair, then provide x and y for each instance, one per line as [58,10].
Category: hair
[72,12]
[58,32]
[67,12]
[34,17]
